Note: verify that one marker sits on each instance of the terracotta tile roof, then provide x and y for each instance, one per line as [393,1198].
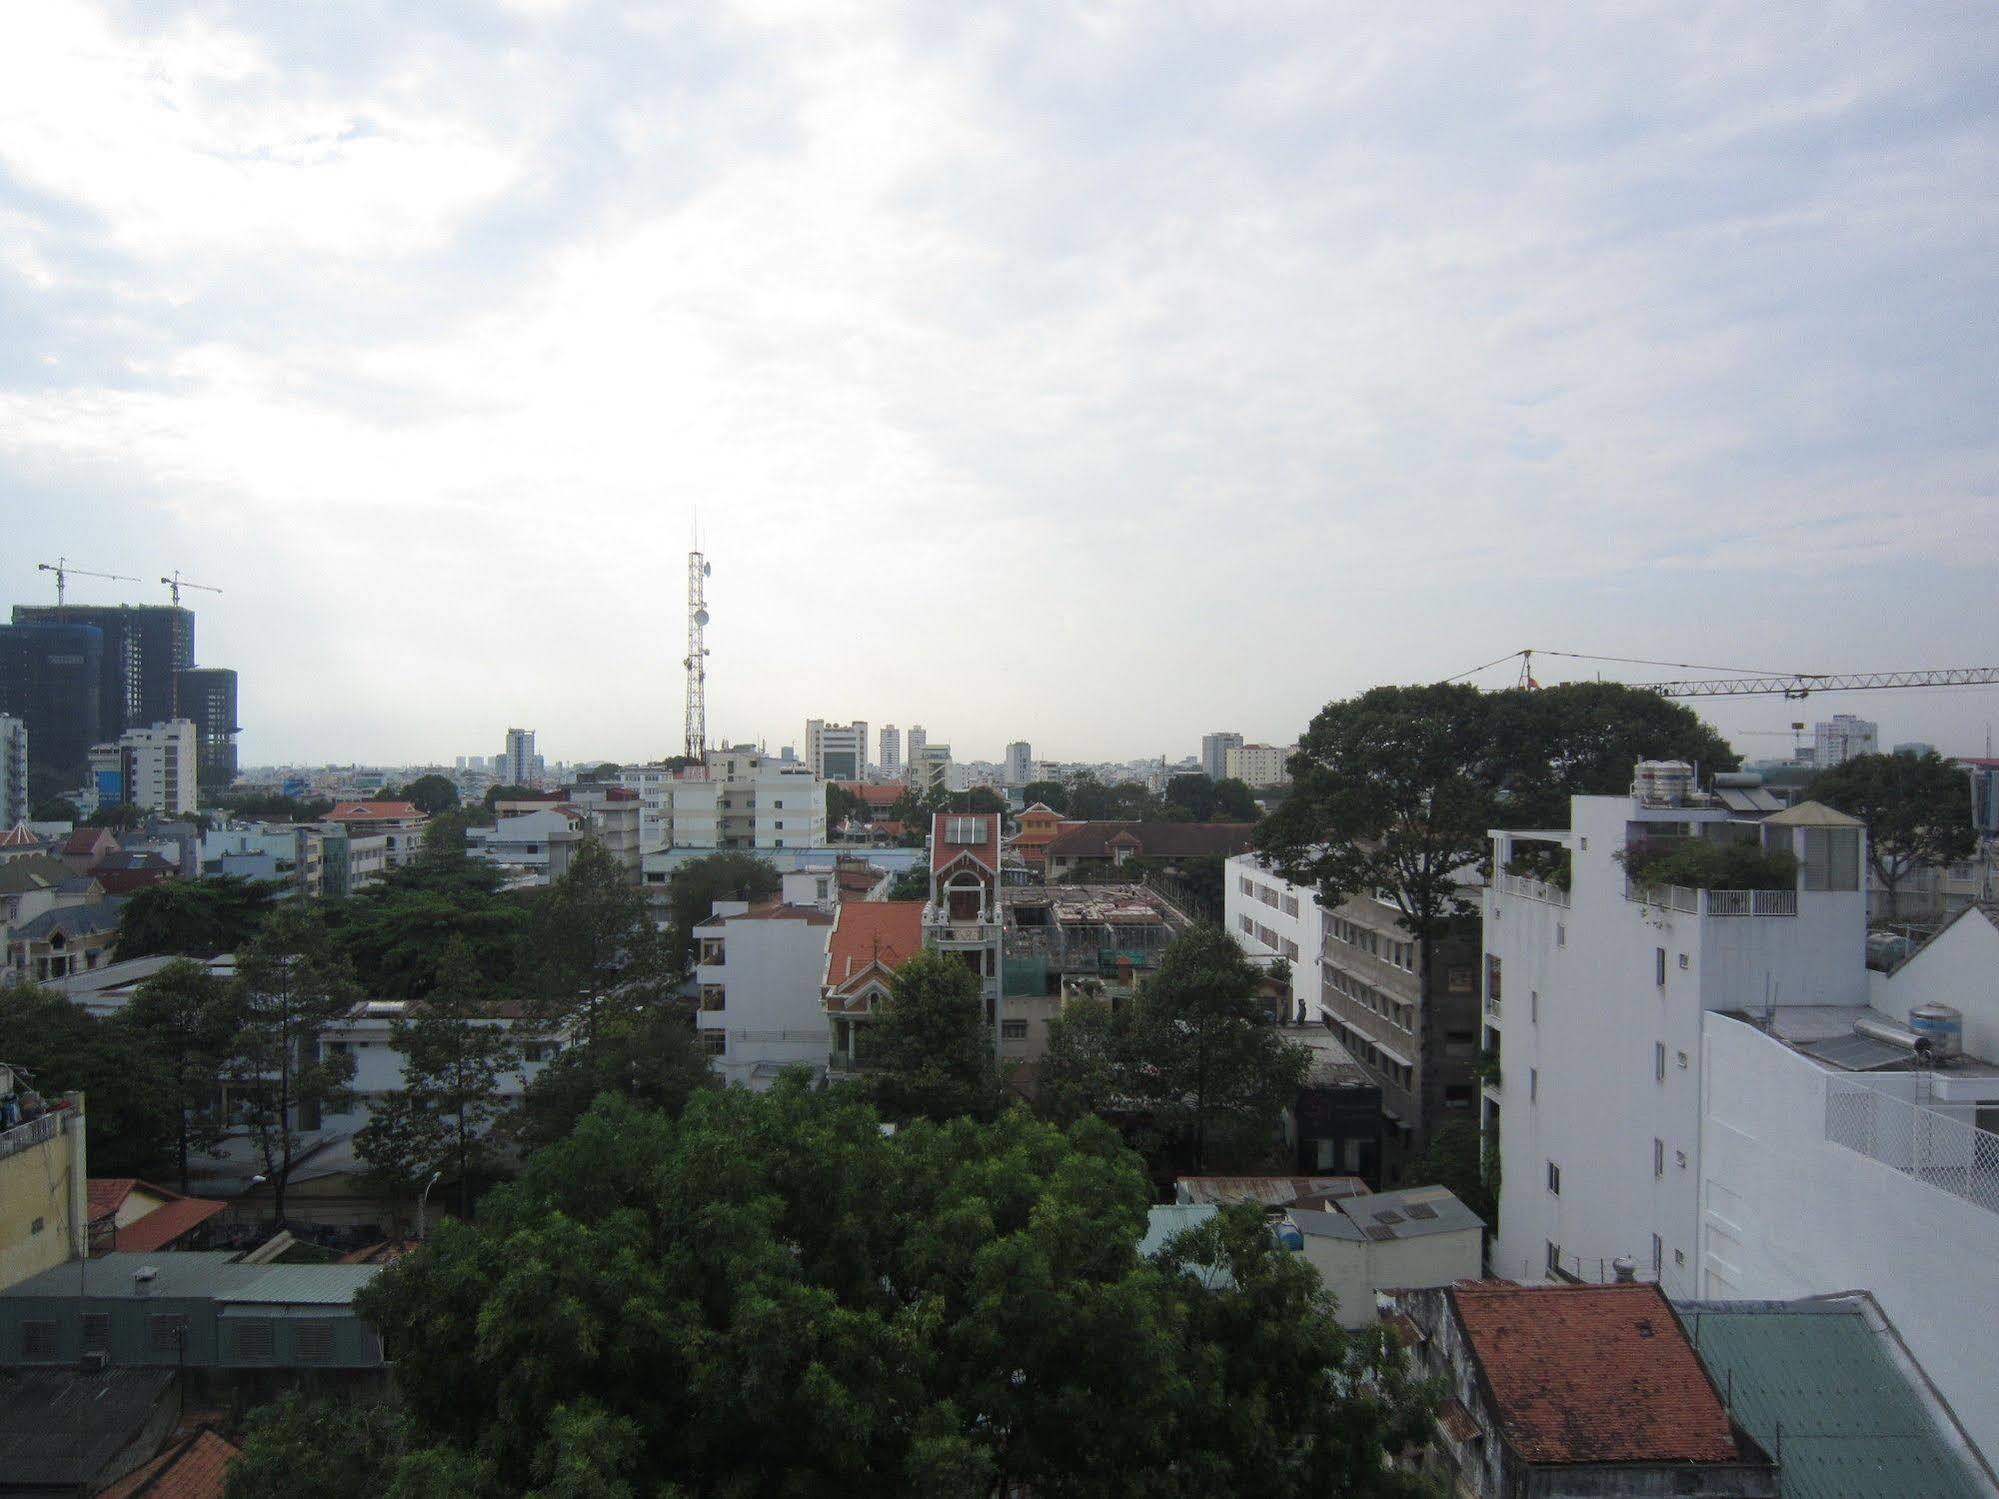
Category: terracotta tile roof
[871,932]
[985,848]
[374,812]
[775,910]
[195,1468]
[1151,840]
[20,835]
[108,1194]
[1593,1374]
[878,796]
[87,841]
[163,1225]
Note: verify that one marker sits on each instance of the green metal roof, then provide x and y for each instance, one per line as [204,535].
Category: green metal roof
[303,1285]
[1816,1383]
[218,1275]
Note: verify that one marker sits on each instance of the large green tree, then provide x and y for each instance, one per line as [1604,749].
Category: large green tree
[1054,795]
[1586,739]
[127,1085]
[194,918]
[403,1146]
[184,1017]
[455,1050]
[293,986]
[590,944]
[931,1048]
[431,794]
[117,816]
[694,888]
[1086,1068]
[1917,809]
[1202,1052]
[1234,801]
[294,1448]
[395,931]
[650,1057]
[771,1296]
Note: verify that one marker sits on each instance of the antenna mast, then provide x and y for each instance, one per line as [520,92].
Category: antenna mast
[697,656]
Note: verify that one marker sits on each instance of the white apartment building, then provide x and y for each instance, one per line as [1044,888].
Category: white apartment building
[749,799]
[1258,765]
[917,740]
[1838,741]
[891,755]
[13,772]
[1215,754]
[537,847]
[294,854]
[616,817]
[929,766]
[1696,1079]
[837,751]
[152,767]
[759,969]
[518,761]
[1273,918]
[1019,763]
[654,785]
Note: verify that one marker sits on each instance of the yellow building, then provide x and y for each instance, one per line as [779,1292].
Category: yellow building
[44,1187]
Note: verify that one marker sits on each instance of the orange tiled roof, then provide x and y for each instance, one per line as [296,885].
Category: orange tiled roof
[163,1225]
[869,932]
[986,850]
[20,835]
[108,1194]
[195,1468]
[1593,1374]
[374,812]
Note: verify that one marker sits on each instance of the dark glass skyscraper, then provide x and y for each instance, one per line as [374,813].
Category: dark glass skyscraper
[51,678]
[146,647]
[208,699]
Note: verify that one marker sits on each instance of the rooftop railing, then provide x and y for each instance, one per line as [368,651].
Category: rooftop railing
[1720,903]
[30,1134]
[1521,885]
[1924,1143]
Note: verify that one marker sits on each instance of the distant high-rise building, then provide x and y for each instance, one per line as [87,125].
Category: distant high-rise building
[50,676]
[1215,754]
[837,751]
[146,647]
[914,749]
[517,760]
[1019,763]
[930,768]
[208,701]
[151,767]
[1258,766]
[13,771]
[1837,742]
[891,755]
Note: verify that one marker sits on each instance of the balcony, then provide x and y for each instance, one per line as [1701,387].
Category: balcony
[1527,889]
[1716,903]
[940,926]
[35,1132]
[1919,1142]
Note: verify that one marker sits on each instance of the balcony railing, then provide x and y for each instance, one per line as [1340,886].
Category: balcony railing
[1920,1142]
[1717,903]
[26,1136]
[1521,885]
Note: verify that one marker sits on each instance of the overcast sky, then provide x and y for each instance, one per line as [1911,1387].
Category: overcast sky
[1094,373]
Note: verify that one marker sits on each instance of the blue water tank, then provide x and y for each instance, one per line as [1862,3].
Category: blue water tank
[1287,1235]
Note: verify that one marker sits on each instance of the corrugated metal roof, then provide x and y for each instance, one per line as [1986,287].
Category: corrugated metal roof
[304,1285]
[178,1275]
[1853,1427]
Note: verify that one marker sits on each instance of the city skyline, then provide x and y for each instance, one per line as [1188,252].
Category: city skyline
[1212,369]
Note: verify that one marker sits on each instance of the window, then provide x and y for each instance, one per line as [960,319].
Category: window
[37,1226]
[1013,1030]
[1658,1256]
[252,1338]
[1554,1258]
[1561,935]
[1832,858]
[1492,977]
[1554,1178]
[1658,1156]
[1458,1096]
[1533,1084]
[1658,1061]
[1248,926]
[38,1341]
[1679,1256]
[313,1340]
[1533,1006]
[1683,962]
[713,997]
[1659,966]
[1290,905]
[715,1043]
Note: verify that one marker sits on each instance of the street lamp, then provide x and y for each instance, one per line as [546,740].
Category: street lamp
[423,1199]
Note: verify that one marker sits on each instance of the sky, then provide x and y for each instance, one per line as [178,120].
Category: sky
[1099,374]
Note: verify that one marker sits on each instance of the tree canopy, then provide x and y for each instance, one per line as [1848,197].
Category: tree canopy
[931,1048]
[194,918]
[128,1095]
[117,816]
[55,809]
[590,943]
[1052,794]
[1917,809]
[648,1056]
[431,794]
[770,1296]
[695,887]
[184,1017]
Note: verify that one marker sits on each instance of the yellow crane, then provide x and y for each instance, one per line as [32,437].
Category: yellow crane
[177,583]
[61,568]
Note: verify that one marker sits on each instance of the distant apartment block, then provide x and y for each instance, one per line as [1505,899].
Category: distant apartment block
[518,761]
[1837,741]
[153,768]
[743,798]
[1258,766]
[13,772]
[837,751]
[891,752]
[50,674]
[913,751]
[208,701]
[1215,754]
[929,767]
[1019,763]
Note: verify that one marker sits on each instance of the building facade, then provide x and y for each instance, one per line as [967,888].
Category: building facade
[1844,736]
[891,752]
[962,919]
[51,676]
[837,751]
[745,799]
[1215,752]
[152,767]
[208,701]
[13,771]
[145,648]
[1258,766]
[759,971]
[929,766]
[44,1180]
[518,762]
[1019,763]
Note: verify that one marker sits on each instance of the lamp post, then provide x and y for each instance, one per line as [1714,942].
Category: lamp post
[423,1199]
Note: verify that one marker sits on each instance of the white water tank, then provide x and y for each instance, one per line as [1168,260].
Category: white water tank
[1941,1026]
[1663,783]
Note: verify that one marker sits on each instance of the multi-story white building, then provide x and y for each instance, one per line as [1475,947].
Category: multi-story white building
[400,824]
[1697,1079]
[748,799]
[616,818]
[1215,754]
[518,762]
[152,767]
[1019,763]
[1838,741]
[917,740]
[1273,918]
[13,772]
[294,854]
[654,785]
[891,755]
[760,969]
[929,767]
[837,751]
[1258,765]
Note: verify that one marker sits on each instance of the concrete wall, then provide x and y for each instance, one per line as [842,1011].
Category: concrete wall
[1353,1270]
[770,975]
[43,1192]
[1258,911]
[1959,968]
[1787,1213]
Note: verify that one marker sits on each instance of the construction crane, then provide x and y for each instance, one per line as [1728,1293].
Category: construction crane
[61,568]
[1755,682]
[177,583]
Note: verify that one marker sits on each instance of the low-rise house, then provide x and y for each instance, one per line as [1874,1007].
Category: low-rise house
[869,941]
[191,1466]
[84,849]
[131,870]
[1577,1390]
[33,886]
[138,1217]
[70,939]
[758,974]
[400,824]
[1120,842]
[1422,1236]
[539,846]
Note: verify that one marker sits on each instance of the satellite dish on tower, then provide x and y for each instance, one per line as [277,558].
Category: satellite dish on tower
[707,569]
[701,617]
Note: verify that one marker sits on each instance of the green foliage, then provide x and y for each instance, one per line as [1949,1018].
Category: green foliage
[394,932]
[497,794]
[1459,1159]
[444,834]
[293,984]
[1090,800]
[194,918]
[1917,809]
[402,1143]
[931,1047]
[183,1018]
[770,1296]
[455,1054]
[1705,864]
[431,794]
[1585,739]
[117,816]
[295,1448]
[54,809]
[842,804]
[696,886]
[649,1057]
[1052,794]
[128,1094]
[270,806]
[1086,1068]
[912,884]
[1234,801]
[1190,798]
[977,799]
[590,943]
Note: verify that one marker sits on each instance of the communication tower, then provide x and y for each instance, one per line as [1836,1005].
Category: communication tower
[697,656]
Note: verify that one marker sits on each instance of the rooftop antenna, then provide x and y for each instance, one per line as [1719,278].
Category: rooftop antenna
[696,661]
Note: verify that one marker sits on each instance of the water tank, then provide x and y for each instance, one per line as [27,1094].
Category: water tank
[1941,1026]
[1893,1034]
[1738,780]
[1287,1235]
[1664,783]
